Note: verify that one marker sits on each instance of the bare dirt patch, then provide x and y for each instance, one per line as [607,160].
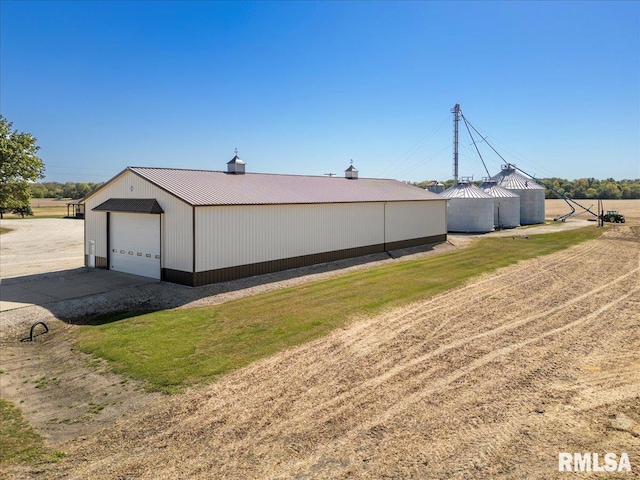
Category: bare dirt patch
[65,394]
[490,380]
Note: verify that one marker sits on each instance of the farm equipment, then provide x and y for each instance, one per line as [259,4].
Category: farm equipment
[570,201]
[612,216]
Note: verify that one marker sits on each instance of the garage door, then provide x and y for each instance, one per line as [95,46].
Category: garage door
[134,240]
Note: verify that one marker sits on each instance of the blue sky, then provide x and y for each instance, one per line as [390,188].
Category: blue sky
[304,87]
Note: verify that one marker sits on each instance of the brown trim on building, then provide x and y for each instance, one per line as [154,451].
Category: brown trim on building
[415,242]
[250,270]
[130,205]
[176,276]
[101,262]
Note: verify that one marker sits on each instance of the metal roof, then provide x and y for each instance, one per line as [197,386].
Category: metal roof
[132,205]
[496,191]
[207,187]
[237,160]
[464,190]
[510,178]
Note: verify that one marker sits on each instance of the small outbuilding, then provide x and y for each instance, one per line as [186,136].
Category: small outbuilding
[75,209]
[197,227]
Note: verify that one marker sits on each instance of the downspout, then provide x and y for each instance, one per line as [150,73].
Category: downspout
[384,226]
[384,230]
[193,246]
[161,215]
[108,240]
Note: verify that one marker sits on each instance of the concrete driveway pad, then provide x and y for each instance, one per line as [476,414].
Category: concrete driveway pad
[20,292]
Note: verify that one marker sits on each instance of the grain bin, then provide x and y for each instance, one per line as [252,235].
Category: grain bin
[469,209]
[506,204]
[435,187]
[531,194]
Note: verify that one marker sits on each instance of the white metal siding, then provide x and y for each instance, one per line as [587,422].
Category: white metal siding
[177,229]
[408,220]
[135,243]
[237,235]
[228,236]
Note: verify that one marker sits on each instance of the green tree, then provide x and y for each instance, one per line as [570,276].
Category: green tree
[610,190]
[592,193]
[69,190]
[82,190]
[19,165]
[23,210]
[580,188]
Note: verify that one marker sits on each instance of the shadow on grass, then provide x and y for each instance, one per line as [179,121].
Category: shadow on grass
[105,318]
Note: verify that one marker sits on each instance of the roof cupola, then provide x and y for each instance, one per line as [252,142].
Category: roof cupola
[235,165]
[351,173]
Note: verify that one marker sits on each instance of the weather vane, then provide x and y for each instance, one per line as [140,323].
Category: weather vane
[236,151]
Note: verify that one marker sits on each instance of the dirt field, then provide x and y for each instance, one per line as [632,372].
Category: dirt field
[491,380]
[629,208]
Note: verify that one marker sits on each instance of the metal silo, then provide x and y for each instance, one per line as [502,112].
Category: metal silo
[506,204]
[435,187]
[531,194]
[469,209]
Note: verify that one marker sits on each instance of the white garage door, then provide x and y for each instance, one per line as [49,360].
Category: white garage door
[134,240]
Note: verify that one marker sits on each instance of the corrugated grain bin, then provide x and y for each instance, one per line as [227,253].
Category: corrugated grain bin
[506,205]
[469,209]
[435,187]
[531,194]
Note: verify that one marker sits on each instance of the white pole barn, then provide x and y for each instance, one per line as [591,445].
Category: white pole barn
[196,227]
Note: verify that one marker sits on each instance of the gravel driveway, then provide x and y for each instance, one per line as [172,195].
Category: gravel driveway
[40,245]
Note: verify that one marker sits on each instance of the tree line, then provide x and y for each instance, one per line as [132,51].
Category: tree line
[584,188]
[581,188]
[74,190]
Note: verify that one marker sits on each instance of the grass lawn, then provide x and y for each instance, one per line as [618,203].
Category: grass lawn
[18,442]
[171,349]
